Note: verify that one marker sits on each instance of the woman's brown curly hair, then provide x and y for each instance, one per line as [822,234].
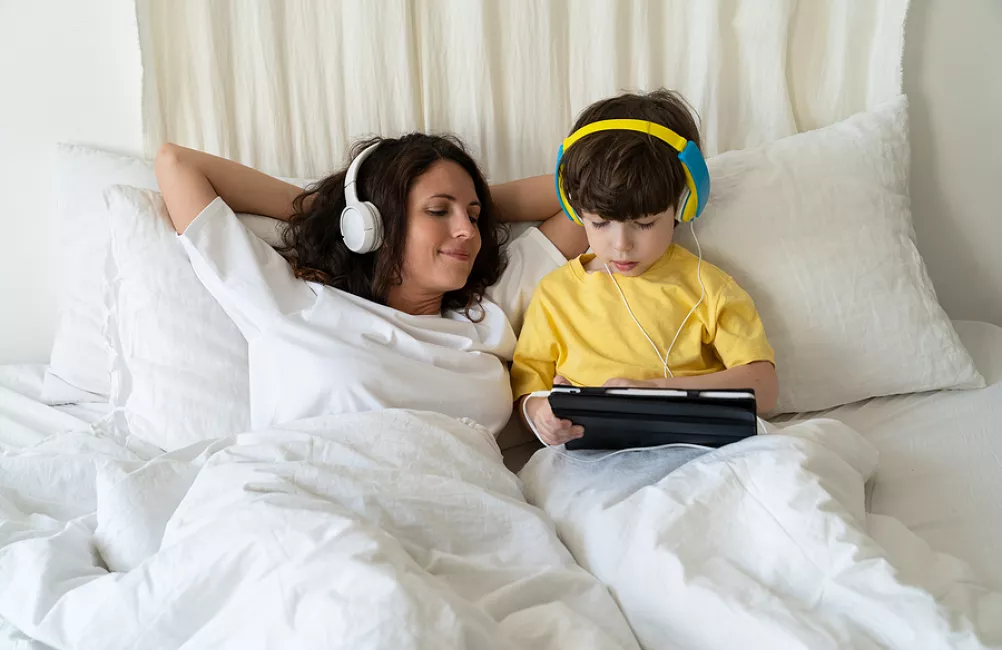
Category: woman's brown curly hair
[314,246]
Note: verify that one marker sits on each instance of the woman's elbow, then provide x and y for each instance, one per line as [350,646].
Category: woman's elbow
[168,156]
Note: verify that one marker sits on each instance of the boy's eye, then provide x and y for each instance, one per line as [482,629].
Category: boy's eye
[645,226]
[599,224]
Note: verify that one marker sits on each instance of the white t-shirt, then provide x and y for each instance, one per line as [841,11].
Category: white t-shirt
[315,350]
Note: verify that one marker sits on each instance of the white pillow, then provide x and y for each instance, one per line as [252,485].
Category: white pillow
[180,373]
[79,366]
[817,228]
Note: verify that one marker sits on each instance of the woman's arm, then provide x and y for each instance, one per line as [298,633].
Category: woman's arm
[535,199]
[569,238]
[527,199]
[759,375]
[189,180]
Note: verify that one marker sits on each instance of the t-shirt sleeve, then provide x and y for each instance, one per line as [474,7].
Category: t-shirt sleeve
[739,337]
[530,257]
[537,352]
[252,282]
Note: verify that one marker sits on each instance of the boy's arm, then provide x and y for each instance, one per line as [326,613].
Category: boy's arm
[534,365]
[534,368]
[759,376]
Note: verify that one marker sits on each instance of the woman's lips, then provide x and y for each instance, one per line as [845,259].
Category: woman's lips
[460,255]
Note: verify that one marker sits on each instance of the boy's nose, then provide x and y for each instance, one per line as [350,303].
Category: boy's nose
[623,244]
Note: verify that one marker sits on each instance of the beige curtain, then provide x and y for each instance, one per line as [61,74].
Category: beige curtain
[287,85]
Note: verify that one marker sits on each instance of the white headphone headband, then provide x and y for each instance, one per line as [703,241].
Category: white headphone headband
[352,174]
[361,223]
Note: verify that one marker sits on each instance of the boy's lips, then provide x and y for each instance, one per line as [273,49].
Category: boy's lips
[624,266]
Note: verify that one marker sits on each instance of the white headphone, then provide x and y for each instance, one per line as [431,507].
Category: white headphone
[361,223]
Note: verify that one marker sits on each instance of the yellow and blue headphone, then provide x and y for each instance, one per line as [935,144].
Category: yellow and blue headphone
[697,177]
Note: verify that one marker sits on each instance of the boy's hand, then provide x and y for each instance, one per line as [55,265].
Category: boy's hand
[551,429]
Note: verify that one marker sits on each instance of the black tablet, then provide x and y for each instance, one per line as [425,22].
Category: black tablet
[624,418]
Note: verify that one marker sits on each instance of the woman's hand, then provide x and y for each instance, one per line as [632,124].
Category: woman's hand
[551,429]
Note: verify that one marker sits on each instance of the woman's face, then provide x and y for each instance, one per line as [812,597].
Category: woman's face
[442,234]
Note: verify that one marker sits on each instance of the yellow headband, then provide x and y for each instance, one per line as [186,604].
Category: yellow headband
[689,154]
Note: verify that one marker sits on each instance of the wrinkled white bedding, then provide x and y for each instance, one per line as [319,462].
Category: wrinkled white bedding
[762,544]
[381,530]
[404,530]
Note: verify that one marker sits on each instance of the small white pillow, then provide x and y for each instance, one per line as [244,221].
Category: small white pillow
[79,366]
[180,373]
[817,228]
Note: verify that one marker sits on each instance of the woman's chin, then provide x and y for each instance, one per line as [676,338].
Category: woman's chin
[452,282]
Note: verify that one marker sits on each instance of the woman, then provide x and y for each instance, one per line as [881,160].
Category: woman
[426,321]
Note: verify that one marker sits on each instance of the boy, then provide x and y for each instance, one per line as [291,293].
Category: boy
[638,311]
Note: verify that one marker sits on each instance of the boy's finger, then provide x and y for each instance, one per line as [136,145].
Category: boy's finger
[560,380]
[576,431]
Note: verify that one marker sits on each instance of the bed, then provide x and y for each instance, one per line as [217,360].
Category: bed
[138,510]
[147,362]
[940,468]
[938,473]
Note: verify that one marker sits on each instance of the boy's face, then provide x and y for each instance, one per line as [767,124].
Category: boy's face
[630,247]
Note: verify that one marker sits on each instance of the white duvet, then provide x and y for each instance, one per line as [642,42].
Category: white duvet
[382,530]
[403,530]
[761,544]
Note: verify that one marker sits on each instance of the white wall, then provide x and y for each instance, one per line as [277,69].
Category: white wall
[953,50]
[69,71]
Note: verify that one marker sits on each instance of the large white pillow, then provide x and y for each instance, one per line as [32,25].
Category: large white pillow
[180,371]
[79,366]
[817,228]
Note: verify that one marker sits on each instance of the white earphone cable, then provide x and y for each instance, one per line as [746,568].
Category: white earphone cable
[702,295]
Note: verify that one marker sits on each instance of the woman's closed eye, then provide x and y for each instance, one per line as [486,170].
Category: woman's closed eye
[442,212]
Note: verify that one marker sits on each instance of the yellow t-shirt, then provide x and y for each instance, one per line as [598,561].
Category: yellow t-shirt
[577,325]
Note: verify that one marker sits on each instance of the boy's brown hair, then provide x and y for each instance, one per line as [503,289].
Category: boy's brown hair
[623,175]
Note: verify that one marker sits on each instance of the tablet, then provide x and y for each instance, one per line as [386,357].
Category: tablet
[625,418]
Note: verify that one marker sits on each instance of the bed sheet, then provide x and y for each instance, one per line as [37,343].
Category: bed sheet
[940,463]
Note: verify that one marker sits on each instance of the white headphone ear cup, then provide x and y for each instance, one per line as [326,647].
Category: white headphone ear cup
[361,227]
[376,221]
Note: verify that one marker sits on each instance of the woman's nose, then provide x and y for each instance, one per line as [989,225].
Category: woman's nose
[462,226]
